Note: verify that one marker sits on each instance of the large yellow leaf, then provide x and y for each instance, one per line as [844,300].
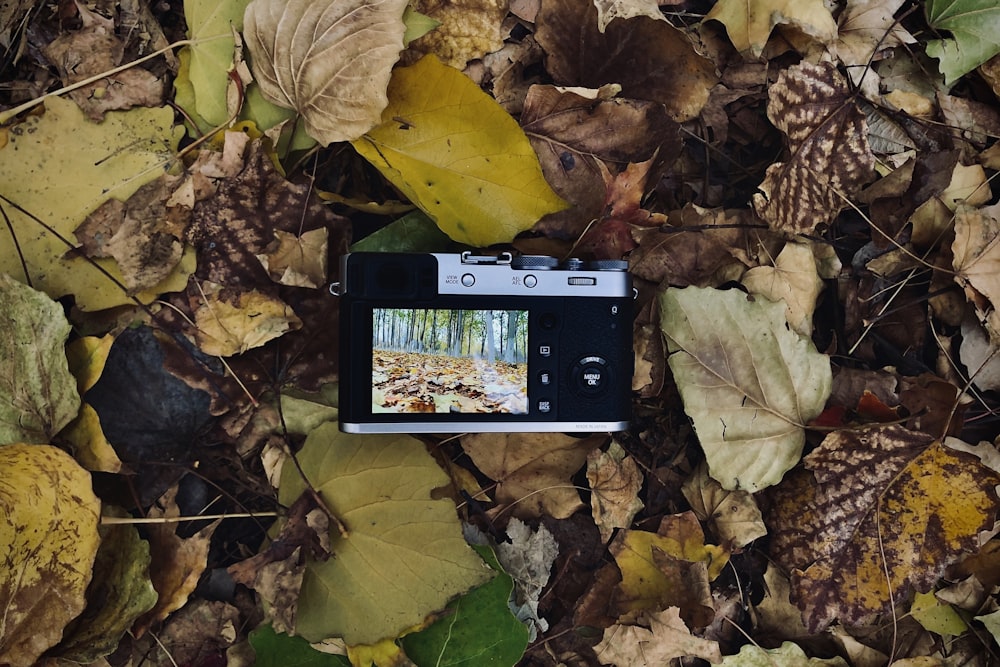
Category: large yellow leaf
[59,167]
[48,529]
[749,383]
[458,155]
[404,555]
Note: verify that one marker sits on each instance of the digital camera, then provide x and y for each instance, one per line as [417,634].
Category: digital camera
[448,343]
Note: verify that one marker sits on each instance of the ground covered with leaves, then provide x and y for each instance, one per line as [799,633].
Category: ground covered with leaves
[803,193]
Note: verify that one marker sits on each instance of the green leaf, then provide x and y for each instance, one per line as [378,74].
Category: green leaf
[204,75]
[281,650]
[975,30]
[458,155]
[414,232]
[748,382]
[59,167]
[404,556]
[478,628]
[119,593]
[38,394]
[787,655]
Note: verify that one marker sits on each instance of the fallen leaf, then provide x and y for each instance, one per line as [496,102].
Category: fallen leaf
[38,395]
[299,261]
[877,500]
[615,482]
[786,655]
[272,649]
[866,29]
[458,155]
[609,10]
[329,62]
[734,514]
[528,559]
[793,280]
[828,141]
[177,563]
[94,162]
[748,382]
[532,470]
[465,30]
[231,325]
[659,65]
[476,629]
[48,524]
[973,25]
[669,568]
[403,556]
[119,593]
[86,357]
[980,357]
[666,638]
[935,616]
[976,251]
[749,23]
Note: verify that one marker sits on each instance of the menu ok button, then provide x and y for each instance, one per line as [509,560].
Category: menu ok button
[590,375]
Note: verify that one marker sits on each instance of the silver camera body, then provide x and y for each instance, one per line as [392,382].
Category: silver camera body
[449,343]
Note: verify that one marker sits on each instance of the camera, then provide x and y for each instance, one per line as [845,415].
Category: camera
[455,343]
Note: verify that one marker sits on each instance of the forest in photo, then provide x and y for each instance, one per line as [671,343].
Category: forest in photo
[443,360]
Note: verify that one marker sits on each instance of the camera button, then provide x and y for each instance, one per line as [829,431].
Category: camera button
[545,350]
[545,378]
[530,280]
[591,375]
[545,405]
[468,279]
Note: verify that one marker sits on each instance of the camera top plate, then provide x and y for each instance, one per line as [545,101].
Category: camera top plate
[530,275]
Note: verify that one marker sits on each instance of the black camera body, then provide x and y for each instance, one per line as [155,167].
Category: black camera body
[448,343]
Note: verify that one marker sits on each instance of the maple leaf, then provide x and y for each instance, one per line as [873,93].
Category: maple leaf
[794,280]
[867,28]
[734,514]
[880,500]
[828,140]
[615,481]
[749,23]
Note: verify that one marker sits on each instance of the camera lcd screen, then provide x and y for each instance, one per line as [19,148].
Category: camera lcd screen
[449,361]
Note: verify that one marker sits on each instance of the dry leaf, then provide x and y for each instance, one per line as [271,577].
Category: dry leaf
[866,30]
[330,62]
[299,261]
[615,481]
[977,262]
[227,325]
[609,10]
[734,514]
[666,638]
[468,29]
[532,470]
[882,499]
[828,141]
[794,280]
[749,22]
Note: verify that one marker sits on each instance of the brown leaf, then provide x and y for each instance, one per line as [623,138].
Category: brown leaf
[297,260]
[734,514]
[532,470]
[879,500]
[665,638]
[615,481]
[977,262]
[469,29]
[659,63]
[830,159]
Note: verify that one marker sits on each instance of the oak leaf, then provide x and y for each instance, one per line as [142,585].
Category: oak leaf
[748,382]
[532,470]
[882,499]
[331,62]
[458,155]
[48,526]
[749,24]
[830,159]
[403,555]
[667,637]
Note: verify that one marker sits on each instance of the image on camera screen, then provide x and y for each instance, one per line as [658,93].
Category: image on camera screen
[444,360]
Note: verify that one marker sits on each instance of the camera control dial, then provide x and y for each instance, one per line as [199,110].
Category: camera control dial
[591,375]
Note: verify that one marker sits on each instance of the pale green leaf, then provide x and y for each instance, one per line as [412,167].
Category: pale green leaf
[786,655]
[748,382]
[404,556]
[458,155]
[59,167]
[975,31]
[38,395]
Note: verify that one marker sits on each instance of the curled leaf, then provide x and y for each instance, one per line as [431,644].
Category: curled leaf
[330,61]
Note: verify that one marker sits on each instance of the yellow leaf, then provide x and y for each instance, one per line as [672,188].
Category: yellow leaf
[458,155]
[936,616]
[294,260]
[48,529]
[86,358]
[749,22]
[59,167]
[226,328]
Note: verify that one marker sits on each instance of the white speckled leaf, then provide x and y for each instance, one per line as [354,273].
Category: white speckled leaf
[330,61]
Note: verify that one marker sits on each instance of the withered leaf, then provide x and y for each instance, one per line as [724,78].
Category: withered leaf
[468,29]
[880,500]
[666,638]
[615,481]
[830,159]
[977,262]
[658,64]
